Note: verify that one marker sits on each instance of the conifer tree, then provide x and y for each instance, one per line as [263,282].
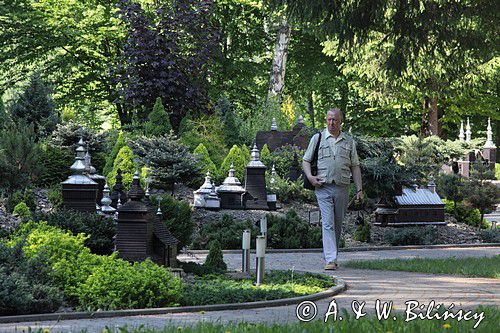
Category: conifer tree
[125,161]
[35,106]
[235,157]
[204,162]
[158,120]
[119,144]
[265,156]
[215,257]
[185,124]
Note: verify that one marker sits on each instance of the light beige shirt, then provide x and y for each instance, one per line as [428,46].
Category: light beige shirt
[336,157]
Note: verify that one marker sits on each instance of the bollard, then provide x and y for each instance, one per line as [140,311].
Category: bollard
[263,228]
[245,252]
[260,246]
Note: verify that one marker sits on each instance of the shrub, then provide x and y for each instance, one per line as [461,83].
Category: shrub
[124,161]
[92,281]
[19,156]
[158,120]
[22,211]
[35,106]
[67,135]
[283,158]
[19,196]
[362,233]
[55,196]
[100,229]
[227,231]
[491,236]
[215,258]
[464,214]
[208,130]
[289,232]
[117,284]
[55,164]
[24,284]
[238,159]
[110,160]
[287,190]
[169,161]
[204,162]
[177,218]
[411,236]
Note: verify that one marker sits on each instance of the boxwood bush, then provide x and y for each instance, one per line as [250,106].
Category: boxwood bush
[92,282]
[418,235]
[100,229]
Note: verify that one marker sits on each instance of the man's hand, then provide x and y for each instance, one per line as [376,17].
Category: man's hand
[359,196]
[316,181]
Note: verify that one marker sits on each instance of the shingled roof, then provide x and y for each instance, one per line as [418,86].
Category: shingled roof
[163,234]
[420,196]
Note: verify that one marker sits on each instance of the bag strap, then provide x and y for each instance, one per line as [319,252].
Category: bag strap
[316,149]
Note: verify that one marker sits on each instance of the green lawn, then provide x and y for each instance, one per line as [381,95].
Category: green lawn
[368,324]
[473,267]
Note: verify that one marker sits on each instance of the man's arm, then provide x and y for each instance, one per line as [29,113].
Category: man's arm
[356,176]
[315,180]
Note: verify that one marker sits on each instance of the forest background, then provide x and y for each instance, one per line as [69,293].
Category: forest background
[395,67]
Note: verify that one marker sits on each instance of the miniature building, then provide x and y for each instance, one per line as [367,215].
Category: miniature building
[118,190]
[92,174]
[203,192]
[212,202]
[164,244]
[255,182]
[231,192]
[79,191]
[105,208]
[133,230]
[489,148]
[276,139]
[271,197]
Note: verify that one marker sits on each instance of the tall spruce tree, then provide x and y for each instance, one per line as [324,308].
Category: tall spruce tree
[35,106]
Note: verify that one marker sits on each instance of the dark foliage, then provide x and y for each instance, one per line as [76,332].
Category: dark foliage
[177,218]
[166,56]
[227,231]
[19,196]
[291,232]
[411,236]
[19,156]
[101,229]
[55,165]
[24,284]
[35,106]
[67,135]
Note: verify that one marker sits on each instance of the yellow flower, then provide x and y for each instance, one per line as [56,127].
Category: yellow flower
[446,326]
[46,330]
[202,312]
[228,331]
[105,330]
[394,307]
[179,328]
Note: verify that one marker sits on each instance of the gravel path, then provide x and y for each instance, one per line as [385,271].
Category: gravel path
[363,285]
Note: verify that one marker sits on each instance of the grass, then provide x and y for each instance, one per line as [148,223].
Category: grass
[218,289]
[369,324]
[472,267]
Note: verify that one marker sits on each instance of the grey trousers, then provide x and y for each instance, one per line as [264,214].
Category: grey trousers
[332,201]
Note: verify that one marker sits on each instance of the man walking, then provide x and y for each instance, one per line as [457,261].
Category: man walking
[337,159]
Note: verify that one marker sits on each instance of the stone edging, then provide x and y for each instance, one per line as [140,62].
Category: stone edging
[339,287]
[360,249]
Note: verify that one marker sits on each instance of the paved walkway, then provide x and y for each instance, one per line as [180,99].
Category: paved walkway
[363,285]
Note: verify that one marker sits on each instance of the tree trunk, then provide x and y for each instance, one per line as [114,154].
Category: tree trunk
[277,80]
[310,107]
[430,117]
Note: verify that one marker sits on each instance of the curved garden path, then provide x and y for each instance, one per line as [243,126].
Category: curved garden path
[363,285]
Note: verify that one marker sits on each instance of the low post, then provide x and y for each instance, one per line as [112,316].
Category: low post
[263,228]
[245,252]
[260,246]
